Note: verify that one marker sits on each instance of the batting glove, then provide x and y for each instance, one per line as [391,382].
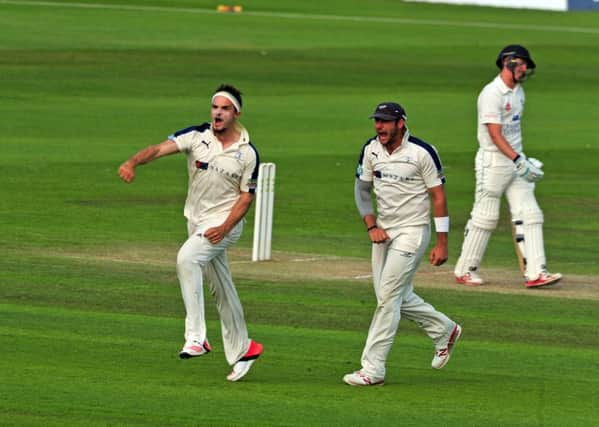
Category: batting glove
[536,162]
[529,169]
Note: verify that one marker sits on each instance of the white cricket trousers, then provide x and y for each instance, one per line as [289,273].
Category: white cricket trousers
[198,259]
[394,264]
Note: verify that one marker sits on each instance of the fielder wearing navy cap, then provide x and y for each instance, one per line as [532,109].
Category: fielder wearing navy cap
[389,111]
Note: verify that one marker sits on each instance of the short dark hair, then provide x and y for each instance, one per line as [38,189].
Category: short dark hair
[232,90]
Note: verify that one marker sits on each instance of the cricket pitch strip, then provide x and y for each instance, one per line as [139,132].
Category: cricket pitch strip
[291,267]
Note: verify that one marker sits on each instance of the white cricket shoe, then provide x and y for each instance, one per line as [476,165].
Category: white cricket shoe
[545,278]
[442,354]
[361,379]
[243,365]
[194,348]
[470,279]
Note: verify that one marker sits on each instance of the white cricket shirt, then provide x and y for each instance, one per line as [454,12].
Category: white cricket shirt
[401,180]
[499,104]
[216,176]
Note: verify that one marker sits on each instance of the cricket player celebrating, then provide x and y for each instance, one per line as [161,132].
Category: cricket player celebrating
[502,168]
[402,171]
[223,169]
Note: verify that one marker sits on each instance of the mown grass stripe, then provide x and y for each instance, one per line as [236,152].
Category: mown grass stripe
[320,17]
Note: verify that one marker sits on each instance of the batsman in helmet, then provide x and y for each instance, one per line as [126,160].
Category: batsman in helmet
[502,168]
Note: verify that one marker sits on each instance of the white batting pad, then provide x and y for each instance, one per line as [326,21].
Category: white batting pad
[473,249]
[534,249]
[485,212]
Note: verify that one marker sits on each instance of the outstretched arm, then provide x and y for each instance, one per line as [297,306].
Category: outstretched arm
[439,253]
[153,152]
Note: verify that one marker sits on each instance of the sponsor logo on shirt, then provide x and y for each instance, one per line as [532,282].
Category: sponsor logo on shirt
[223,171]
[201,165]
[511,129]
[392,177]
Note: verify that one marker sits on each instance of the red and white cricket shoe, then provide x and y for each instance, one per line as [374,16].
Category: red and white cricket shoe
[442,354]
[470,279]
[359,378]
[544,279]
[194,348]
[243,365]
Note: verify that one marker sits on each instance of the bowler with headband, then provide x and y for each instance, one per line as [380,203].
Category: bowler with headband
[235,100]
[222,166]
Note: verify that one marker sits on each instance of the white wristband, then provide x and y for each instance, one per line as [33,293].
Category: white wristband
[442,224]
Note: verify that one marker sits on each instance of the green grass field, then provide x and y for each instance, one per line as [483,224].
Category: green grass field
[91,315]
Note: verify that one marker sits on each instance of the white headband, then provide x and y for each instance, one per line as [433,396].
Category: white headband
[230,97]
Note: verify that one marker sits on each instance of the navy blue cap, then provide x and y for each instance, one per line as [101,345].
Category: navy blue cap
[389,111]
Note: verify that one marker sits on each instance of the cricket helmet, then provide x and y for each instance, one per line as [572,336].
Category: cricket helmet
[515,51]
